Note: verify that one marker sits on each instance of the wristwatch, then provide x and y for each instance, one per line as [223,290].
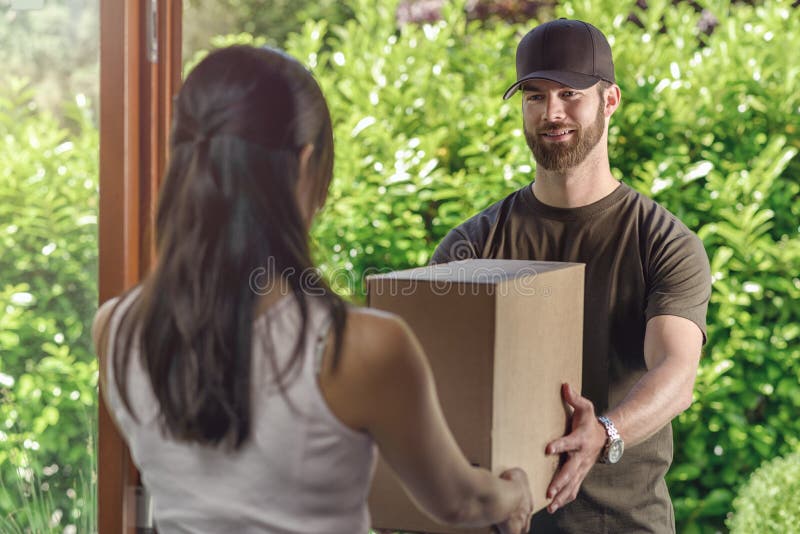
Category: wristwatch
[612,451]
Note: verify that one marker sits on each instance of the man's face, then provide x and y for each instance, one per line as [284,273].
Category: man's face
[562,125]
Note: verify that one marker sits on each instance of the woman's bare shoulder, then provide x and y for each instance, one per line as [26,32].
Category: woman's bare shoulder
[100,328]
[103,317]
[100,323]
[369,322]
[378,355]
[376,335]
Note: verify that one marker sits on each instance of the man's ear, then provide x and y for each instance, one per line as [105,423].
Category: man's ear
[611,100]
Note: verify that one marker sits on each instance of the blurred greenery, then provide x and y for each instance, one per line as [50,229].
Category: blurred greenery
[48,278]
[205,19]
[39,512]
[55,48]
[708,127]
[769,502]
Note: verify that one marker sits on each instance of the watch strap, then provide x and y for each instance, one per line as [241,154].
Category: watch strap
[612,437]
[611,430]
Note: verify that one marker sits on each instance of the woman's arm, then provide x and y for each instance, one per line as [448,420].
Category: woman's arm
[384,386]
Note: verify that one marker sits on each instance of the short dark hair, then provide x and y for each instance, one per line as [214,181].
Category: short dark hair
[602,85]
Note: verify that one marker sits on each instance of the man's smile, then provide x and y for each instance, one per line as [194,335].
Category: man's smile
[557,135]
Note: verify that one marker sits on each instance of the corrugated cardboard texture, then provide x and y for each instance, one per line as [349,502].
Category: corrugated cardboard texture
[501,337]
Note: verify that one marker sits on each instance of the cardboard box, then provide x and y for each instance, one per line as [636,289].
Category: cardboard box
[501,337]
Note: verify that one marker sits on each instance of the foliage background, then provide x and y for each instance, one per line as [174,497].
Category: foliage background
[48,278]
[769,502]
[54,48]
[708,127]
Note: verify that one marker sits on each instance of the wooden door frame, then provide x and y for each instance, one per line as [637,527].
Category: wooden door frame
[140,69]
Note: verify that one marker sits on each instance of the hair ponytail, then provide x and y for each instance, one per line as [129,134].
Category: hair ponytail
[227,207]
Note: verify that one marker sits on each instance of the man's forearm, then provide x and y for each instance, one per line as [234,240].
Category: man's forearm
[672,352]
[661,394]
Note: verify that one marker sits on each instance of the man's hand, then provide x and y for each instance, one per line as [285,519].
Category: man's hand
[582,446]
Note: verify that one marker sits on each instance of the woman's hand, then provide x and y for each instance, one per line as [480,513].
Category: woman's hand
[520,520]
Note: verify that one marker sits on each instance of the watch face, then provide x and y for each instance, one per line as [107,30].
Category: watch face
[615,451]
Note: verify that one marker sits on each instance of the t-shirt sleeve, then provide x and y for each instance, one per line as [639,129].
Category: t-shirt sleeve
[680,281]
[455,246]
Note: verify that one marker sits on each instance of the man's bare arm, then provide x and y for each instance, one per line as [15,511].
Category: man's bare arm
[672,348]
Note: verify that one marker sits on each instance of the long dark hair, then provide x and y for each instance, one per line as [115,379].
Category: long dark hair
[228,208]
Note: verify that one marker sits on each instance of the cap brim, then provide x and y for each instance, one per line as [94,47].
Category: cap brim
[570,79]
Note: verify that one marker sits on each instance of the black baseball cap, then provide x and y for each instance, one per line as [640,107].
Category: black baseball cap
[570,52]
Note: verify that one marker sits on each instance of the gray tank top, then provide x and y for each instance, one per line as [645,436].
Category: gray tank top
[301,471]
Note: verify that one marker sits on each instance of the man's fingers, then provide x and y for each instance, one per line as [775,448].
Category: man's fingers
[555,491]
[567,394]
[565,485]
[566,494]
[569,443]
[569,471]
[563,497]
[575,399]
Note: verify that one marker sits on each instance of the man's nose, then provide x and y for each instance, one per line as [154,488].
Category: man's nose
[553,110]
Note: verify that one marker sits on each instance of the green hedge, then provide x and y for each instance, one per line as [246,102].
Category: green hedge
[708,126]
[769,502]
[48,295]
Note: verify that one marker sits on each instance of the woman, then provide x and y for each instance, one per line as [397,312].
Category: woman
[252,396]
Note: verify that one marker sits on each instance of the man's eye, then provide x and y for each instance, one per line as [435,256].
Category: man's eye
[533,97]
[569,93]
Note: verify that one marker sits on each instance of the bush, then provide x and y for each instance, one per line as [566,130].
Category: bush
[708,127]
[48,295]
[769,502]
[423,138]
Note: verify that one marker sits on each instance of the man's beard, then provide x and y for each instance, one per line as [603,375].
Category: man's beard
[556,156]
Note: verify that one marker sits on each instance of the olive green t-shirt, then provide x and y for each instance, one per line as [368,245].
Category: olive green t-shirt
[641,261]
